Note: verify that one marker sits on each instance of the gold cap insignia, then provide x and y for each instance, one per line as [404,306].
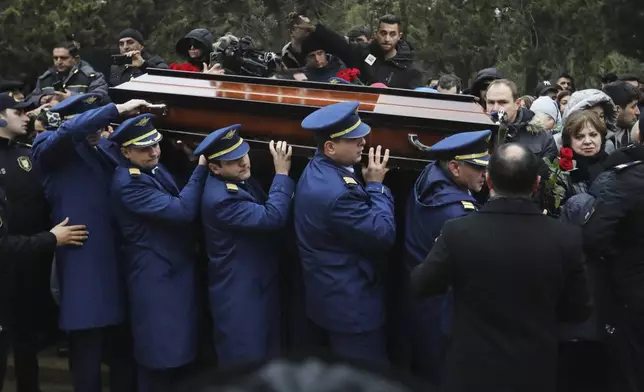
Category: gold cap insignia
[90,100]
[230,134]
[142,122]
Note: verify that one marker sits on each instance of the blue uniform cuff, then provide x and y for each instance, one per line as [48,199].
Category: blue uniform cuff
[283,183]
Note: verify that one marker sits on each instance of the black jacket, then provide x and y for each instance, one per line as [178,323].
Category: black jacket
[614,232]
[29,215]
[509,293]
[14,249]
[539,141]
[396,72]
[81,79]
[327,72]
[120,74]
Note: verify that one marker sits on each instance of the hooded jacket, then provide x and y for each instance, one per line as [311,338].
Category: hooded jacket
[205,40]
[585,99]
[396,72]
[536,138]
[484,75]
[325,73]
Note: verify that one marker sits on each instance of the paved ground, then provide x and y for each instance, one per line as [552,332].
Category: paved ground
[54,375]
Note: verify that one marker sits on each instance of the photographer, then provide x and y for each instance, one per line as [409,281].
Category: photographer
[136,57]
[69,76]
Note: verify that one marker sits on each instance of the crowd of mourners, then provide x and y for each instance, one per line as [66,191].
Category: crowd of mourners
[299,266]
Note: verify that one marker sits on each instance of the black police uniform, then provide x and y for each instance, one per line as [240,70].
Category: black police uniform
[31,309]
[14,249]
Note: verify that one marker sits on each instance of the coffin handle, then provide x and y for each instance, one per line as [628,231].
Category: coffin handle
[413,139]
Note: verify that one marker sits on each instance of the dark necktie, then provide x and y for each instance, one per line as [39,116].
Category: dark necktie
[166,181]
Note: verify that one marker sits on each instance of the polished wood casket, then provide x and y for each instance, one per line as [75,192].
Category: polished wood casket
[402,120]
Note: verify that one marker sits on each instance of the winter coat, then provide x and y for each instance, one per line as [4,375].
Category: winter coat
[120,74]
[537,139]
[205,40]
[81,79]
[325,73]
[585,99]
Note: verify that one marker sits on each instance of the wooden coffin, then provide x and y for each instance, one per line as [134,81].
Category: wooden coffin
[401,120]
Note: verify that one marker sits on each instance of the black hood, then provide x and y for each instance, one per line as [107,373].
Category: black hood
[487,74]
[202,36]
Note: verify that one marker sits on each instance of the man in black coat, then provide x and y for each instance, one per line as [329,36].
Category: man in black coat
[131,45]
[614,234]
[518,275]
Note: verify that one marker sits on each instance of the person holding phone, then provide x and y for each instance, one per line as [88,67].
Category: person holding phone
[133,58]
[69,76]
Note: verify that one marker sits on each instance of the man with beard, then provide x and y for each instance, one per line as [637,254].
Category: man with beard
[625,96]
[442,192]
[388,59]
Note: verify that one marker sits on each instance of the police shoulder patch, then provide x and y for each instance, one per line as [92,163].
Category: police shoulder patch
[350,181]
[468,205]
[232,188]
[134,172]
[625,166]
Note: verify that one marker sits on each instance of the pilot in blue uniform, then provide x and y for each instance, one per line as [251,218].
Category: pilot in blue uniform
[241,231]
[157,227]
[441,192]
[77,164]
[344,229]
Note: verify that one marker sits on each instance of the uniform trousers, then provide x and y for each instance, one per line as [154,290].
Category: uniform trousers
[25,357]
[365,346]
[88,348]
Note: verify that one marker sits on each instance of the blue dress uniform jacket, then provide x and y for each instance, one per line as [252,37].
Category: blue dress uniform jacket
[434,200]
[343,232]
[243,252]
[76,178]
[159,251]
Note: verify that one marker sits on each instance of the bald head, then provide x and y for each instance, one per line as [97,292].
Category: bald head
[513,170]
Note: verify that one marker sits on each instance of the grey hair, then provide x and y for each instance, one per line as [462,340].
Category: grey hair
[539,123]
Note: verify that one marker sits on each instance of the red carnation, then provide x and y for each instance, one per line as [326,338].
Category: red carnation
[566,152]
[566,164]
[344,74]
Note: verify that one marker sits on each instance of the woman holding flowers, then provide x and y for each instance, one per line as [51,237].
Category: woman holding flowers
[583,137]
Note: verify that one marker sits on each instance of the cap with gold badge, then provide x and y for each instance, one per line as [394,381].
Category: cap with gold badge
[224,144]
[77,104]
[10,101]
[470,147]
[337,121]
[137,132]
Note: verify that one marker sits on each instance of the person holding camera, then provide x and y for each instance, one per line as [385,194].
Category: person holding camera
[69,76]
[133,60]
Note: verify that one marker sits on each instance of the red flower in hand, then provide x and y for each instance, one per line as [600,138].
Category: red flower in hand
[344,74]
[566,164]
[566,152]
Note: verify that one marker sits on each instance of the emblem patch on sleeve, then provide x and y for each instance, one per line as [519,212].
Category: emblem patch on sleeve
[468,205]
[25,163]
[350,181]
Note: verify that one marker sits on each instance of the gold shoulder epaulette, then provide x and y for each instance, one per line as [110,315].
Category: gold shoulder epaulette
[350,181]
[134,171]
[232,188]
[468,205]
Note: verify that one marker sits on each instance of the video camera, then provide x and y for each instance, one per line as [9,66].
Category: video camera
[238,56]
